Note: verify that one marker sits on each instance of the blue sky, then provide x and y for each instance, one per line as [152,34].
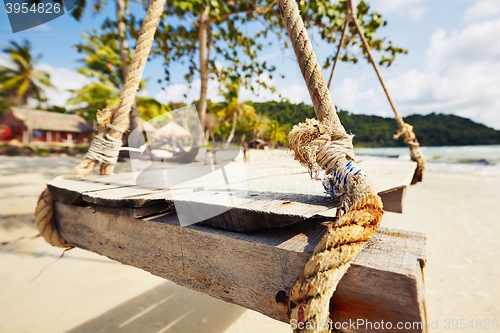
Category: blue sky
[453,65]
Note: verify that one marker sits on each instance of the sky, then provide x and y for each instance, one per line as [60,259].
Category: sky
[452,65]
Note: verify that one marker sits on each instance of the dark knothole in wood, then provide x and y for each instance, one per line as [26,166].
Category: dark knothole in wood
[281,297]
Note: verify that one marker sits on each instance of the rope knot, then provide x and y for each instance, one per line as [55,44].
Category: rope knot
[316,146]
[104,149]
[409,136]
[335,183]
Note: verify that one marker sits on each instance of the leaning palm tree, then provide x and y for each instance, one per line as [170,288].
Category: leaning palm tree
[232,107]
[21,81]
[102,64]
[102,59]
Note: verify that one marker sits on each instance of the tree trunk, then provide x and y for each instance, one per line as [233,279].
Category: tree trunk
[202,40]
[203,27]
[122,36]
[233,129]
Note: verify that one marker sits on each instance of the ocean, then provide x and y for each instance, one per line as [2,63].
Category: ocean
[476,159]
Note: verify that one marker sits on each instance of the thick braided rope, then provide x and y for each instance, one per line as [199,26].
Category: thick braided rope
[120,118]
[44,220]
[406,130]
[326,145]
[110,139]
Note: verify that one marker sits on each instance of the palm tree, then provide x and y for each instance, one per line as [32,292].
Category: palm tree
[22,81]
[102,63]
[122,7]
[93,97]
[277,133]
[102,59]
[232,107]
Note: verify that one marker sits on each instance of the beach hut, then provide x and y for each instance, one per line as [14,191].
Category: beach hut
[173,135]
[31,126]
[172,132]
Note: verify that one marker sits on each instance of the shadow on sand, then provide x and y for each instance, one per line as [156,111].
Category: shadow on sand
[166,308]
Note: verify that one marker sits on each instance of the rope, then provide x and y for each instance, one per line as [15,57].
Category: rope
[44,220]
[105,147]
[119,119]
[325,145]
[104,150]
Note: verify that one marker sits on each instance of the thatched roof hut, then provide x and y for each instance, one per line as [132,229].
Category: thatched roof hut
[28,126]
[172,132]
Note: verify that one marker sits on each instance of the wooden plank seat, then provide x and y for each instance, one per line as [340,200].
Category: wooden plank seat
[260,198]
[257,269]
[254,269]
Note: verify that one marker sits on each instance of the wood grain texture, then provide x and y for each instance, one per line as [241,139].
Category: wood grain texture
[257,199]
[250,269]
[393,199]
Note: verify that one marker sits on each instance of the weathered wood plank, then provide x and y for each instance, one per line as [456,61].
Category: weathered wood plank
[393,199]
[250,269]
[71,191]
[137,212]
[388,174]
[259,199]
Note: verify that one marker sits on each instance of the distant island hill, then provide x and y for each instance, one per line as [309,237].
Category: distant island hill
[373,131]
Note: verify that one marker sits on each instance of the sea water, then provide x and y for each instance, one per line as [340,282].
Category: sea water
[477,159]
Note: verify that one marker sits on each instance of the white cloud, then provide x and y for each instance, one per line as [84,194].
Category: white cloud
[411,8]
[461,76]
[176,92]
[295,93]
[5,60]
[63,79]
[482,9]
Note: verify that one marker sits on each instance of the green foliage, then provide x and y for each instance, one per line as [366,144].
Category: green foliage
[21,81]
[93,97]
[5,103]
[285,112]
[374,131]
[449,130]
[102,63]
[228,39]
[232,110]
[102,58]
[150,108]
[327,18]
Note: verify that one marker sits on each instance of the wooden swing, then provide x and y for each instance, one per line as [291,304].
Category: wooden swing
[280,253]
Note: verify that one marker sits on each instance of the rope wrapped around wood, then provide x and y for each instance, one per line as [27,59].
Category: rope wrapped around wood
[323,144]
[112,123]
[104,149]
[44,220]
[406,130]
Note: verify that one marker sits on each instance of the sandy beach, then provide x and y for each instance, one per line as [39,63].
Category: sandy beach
[86,292]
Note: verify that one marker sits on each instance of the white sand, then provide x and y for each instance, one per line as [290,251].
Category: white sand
[85,292]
